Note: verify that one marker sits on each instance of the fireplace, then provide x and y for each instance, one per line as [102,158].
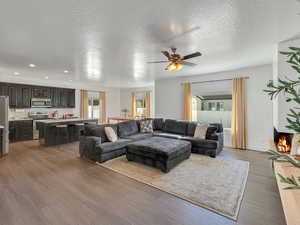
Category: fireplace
[283,141]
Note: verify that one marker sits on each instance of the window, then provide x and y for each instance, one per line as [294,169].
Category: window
[94,105]
[140,107]
[213,108]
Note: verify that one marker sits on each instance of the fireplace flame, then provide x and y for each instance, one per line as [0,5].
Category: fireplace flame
[282,145]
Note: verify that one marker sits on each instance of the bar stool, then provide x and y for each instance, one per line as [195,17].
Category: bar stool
[72,132]
[78,128]
[62,134]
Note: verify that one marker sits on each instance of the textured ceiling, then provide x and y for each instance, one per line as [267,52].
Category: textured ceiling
[109,42]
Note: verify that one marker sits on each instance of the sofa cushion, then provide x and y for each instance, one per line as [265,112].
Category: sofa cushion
[175,126]
[219,127]
[203,143]
[128,128]
[210,131]
[191,128]
[98,131]
[139,136]
[158,123]
[146,126]
[167,135]
[113,146]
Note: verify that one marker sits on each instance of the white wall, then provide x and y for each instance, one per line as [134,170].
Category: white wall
[113,102]
[169,101]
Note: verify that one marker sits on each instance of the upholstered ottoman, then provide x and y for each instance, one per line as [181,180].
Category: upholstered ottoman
[159,152]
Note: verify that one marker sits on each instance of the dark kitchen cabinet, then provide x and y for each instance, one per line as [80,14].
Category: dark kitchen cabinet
[54,98]
[26,97]
[20,130]
[71,98]
[3,90]
[12,94]
[20,95]
[23,97]
[41,92]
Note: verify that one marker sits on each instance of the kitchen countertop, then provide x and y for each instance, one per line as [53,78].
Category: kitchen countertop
[1,127]
[63,120]
[19,119]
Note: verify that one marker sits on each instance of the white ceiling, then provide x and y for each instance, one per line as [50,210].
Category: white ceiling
[109,42]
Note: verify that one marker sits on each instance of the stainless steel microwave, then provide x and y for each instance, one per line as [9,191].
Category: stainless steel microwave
[41,103]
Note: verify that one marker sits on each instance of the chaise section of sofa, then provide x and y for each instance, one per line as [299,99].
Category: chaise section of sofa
[212,145]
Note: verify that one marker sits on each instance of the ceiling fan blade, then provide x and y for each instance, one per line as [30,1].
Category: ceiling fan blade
[167,54]
[188,63]
[159,62]
[196,54]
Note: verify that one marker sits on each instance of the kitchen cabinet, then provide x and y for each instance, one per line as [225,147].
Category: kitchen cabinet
[54,98]
[3,90]
[41,92]
[26,97]
[12,94]
[71,98]
[20,130]
[20,95]
[23,97]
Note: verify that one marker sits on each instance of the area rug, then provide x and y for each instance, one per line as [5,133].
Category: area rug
[217,184]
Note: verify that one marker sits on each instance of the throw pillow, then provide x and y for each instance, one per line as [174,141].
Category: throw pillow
[111,134]
[146,126]
[200,131]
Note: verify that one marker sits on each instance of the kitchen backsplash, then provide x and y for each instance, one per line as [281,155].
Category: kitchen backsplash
[23,113]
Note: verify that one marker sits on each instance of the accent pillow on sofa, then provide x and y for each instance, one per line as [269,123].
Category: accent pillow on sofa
[111,134]
[98,131]
[200,131]
[146,126]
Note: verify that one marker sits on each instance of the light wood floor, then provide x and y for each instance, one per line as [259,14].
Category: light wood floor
[53,186]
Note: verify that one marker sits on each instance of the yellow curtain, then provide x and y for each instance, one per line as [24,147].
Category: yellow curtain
[84,104]
[187,102]
[148,103]
[133,105]
[238,121]
[102,111]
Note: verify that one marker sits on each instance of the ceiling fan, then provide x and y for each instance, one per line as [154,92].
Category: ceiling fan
[176,61]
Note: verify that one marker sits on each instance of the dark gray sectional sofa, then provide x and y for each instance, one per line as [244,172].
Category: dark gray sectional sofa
[95,146]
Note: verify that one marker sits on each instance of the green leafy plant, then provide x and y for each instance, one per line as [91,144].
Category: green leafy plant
[290,180]
[288,87]
[281,157]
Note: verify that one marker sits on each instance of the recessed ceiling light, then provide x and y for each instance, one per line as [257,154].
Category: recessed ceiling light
[16,73]
[46,77]
[32,65]
[66,71]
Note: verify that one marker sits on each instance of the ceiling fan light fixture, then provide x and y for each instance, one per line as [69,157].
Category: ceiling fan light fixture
[174,67]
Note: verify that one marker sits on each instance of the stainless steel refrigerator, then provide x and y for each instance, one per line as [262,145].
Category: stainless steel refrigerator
[4,124]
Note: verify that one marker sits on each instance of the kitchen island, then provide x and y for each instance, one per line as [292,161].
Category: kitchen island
[60,131]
